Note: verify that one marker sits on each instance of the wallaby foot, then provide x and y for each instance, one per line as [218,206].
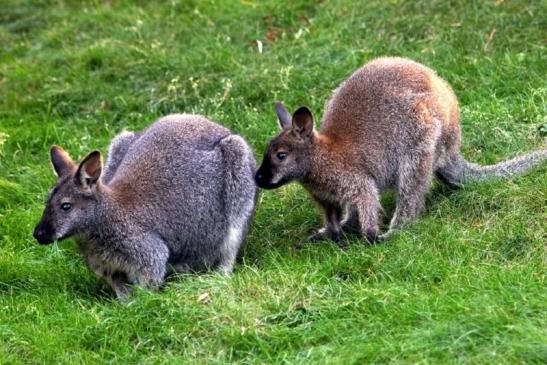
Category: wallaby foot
[350,222]
[226,268]
[386,235]
[332,215]
[322,235]
[120,284]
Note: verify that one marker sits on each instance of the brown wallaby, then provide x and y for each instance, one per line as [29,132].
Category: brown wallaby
[179,195]
[393,123]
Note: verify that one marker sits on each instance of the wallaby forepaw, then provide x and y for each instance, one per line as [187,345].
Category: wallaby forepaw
[226,269]
[372,236]
[318,236]
[383,237]
[337,238]
[123,294]
[323,235]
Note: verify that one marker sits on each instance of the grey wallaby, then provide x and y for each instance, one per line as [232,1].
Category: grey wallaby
[179,195]
[393,123]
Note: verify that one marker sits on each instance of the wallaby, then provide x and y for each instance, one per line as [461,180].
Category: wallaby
[393,123]
[179,195]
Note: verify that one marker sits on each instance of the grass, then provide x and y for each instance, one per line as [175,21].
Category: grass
[464,284]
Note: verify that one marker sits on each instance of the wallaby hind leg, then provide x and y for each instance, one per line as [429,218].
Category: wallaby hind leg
[368,207]
[413,182]
[332,215]
[237,231]
[238,225]
[151,260]
[239,199]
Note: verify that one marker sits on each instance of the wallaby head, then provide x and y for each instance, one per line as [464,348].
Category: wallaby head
[287,157]
[72,201]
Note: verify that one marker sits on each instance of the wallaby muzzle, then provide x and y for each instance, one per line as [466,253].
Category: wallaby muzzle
[44,233]
[263,176]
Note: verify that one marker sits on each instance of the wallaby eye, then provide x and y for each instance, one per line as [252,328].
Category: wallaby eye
[281,155]
[66,206]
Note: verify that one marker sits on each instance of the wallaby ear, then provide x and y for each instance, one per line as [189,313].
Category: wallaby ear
[61,161]
[302,122]
[89,170]
[283,115]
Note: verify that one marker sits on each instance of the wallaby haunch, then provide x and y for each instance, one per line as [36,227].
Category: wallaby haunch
[393,123]
[178,195]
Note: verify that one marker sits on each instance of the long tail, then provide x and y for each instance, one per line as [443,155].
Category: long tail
[459,172]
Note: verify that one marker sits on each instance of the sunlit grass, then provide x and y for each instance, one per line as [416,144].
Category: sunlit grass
[464,284]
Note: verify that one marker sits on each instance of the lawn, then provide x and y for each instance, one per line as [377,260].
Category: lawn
[464,284]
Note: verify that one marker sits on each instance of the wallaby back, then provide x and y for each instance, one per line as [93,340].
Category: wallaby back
[178,178]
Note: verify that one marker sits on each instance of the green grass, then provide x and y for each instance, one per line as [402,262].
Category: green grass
[464,284]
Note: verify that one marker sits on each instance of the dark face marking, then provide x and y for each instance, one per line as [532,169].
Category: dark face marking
[66,212]
[44,231]
[285,160]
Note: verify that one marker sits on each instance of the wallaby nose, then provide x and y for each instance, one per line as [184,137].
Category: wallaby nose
[38,232]
[261,180]
[40,235]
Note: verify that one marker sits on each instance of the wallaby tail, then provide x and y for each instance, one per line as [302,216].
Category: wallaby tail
[458,171]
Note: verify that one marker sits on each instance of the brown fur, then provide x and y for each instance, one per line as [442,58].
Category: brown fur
[393,123]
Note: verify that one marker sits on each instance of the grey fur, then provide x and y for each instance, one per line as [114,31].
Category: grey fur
[116,152]
[393,123]
[178,195]
[457,172]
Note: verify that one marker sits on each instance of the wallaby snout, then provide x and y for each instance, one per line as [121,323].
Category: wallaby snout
[267,178]
[260,180]
[263,176]
[43,233]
